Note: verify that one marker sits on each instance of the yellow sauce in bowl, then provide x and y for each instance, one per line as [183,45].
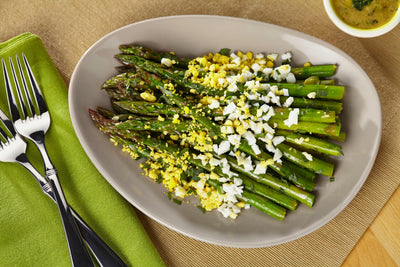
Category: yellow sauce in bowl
[372,15]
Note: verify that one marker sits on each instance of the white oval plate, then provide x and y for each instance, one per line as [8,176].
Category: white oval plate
[196,35]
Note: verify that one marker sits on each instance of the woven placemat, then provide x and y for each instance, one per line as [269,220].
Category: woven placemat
[68,28]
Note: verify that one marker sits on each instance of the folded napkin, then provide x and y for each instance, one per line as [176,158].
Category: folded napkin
[31,232]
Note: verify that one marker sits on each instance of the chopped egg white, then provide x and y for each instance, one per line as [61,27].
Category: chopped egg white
[214,104]
[308,156]
[312,95]
[293,117]
[277,155]
[288,102]
[247,107]
[166,61]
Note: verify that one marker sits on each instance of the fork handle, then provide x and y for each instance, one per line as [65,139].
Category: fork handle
[78,252]
[77,249]
[102,252]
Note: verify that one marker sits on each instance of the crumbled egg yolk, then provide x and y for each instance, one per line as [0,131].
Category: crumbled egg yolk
[224,72]
[217,67]
[171,170]
[148,97]
[199,139]
[176,119]
[238,124]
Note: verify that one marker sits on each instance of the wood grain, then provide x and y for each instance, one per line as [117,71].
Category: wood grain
[380,245]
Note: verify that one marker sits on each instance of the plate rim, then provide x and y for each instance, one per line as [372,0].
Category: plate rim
[332,214]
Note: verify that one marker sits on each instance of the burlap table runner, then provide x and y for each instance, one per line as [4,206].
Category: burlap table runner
[68,28]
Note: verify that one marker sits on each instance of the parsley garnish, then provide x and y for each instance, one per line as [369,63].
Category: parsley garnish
[359,4]
[225,51]
[201,208]
[177,201]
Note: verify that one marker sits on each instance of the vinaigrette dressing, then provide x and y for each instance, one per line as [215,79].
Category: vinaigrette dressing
[365,14]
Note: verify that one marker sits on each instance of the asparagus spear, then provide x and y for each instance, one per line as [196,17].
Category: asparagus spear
[159,126]
[320,71]
[306,160]
[321,91]
[302,102]
[153,55]
[109,127]
[305,114]
[311,142]
[280,113]
[263,204]
[147,108]
[325,129]
[316,80]
[291,190]
[156,68]
[273,195]
[324,91]
[142,78]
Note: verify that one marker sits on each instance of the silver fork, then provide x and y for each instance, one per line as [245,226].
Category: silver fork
[13,150]
[33,126]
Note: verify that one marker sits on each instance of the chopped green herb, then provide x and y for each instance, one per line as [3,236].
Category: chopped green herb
[145,166]
[191,191]
[225,51]
[184,176]
[159,179]
[196,178]
[201,208]
[177,201]
[359,4]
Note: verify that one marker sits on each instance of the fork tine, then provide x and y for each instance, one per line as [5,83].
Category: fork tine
[3,136]
[18,89]
[25,86]
[12,103]
[8,124]
[35,87]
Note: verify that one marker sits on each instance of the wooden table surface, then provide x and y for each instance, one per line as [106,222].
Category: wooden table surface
[380,244]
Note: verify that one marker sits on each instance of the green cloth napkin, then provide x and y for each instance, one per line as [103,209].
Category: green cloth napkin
[31,232]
